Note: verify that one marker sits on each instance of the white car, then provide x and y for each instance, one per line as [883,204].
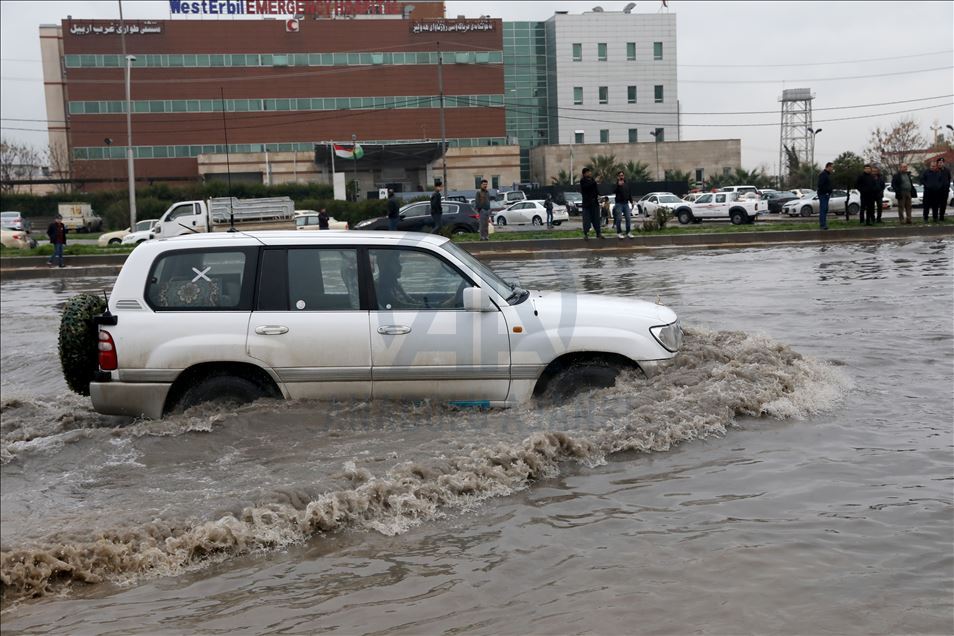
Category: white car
[532,211]
[808,205]
[648,204]
[891,199]
[736,207]
[16,239]
[308,220]
[115,238]
[141,236]
[344,316]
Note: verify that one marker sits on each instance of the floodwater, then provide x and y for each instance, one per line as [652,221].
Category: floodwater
[790,472]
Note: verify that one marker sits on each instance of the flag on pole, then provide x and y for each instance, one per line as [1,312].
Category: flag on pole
[349,152]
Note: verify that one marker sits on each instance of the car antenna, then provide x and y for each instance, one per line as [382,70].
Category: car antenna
[228,166]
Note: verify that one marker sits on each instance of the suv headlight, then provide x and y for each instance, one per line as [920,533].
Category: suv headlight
[669,336]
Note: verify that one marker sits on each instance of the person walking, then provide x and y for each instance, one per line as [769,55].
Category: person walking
[394,211]
[824,194]
[879,195]
[867,188]
[903,186]
[590,192]
[323,219]
[437,211]
[482,204]
[622,207]
[945,190]
[931,180]
[548,206]
[57,233]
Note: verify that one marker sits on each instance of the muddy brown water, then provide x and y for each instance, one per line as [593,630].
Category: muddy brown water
[790,472]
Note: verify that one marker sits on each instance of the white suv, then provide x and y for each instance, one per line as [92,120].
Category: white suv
[352,315]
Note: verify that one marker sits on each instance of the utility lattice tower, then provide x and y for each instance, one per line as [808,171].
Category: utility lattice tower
[796,130]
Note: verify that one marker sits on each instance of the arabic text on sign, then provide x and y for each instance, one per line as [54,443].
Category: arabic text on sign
[115,28]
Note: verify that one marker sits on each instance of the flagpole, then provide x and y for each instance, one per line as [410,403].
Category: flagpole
[331,145]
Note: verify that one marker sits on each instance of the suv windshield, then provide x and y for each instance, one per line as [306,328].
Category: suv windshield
[514,294]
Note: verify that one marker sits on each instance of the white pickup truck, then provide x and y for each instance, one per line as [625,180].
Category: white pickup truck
[218,215]
[721,205]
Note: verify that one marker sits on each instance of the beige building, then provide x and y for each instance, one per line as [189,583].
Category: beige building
[701,159]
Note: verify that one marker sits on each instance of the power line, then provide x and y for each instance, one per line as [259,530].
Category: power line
[258,115]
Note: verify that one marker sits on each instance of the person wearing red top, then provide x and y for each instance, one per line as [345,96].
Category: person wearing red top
[57,233]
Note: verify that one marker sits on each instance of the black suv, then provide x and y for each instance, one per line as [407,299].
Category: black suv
[460,217]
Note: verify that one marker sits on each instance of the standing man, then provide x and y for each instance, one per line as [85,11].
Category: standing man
[879,195]
[548,206]
[57,233]
[622,206]
[867,188]
[482,203]
[931,180]
[824,194]
[436,210]
[394,211]
[591,204]
[903,190]
[945,185]
[323,219]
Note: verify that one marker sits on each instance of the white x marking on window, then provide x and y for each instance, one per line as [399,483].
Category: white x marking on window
[201,274]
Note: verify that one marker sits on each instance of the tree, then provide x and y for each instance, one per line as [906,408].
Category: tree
[58,159]
[679,175]
[604,167]
[17,162]
[896,145]
[847,166]
[636,171]
[563,178]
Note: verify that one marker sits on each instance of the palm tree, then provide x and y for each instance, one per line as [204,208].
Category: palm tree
[564,178]
[679,175]
[755,177]
[604,167]
[636,171]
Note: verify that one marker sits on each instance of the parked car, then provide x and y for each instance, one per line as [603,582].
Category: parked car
[334,315]
[808,205]
[15,221]
[461,218]
[115,238]
[532,211]
[574,203]
[802,192]
[141,236]
[891,199]
[742,190]
[16,239]
[648,204]
[777,198]
[734,206]
[692,196]
[308,220]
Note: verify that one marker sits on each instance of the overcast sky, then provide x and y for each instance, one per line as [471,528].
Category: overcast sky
[733,57]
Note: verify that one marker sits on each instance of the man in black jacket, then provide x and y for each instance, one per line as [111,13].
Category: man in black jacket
[904,191]
[591,204]
[824,194]
[436,209]
[932,179]
[394,211]
[879,193]
[945,192]
[868,188]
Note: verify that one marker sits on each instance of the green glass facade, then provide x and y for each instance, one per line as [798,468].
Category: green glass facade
[525,88]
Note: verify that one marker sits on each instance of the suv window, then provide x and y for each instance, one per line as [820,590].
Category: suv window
[202,280]
[410,279]
[322,279]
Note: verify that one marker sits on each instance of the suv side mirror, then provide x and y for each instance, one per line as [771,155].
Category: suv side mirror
[476,299]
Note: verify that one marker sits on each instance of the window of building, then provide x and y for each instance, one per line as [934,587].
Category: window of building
[601,51]
[660,134]
[726,171]
[631,94]
[657,51]
[577,94]
[477,179]
[700,175]
[577,52]
[630,51]
[495,181]
[658,93]
[604,135]
[604,94]
[578,137]
[633,135]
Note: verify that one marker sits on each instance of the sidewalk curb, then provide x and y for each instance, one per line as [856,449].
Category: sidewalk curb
[18,268]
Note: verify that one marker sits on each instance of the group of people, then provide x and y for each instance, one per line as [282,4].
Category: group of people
[936,183]
[622,207]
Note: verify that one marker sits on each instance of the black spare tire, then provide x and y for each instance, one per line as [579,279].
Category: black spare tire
[79,341]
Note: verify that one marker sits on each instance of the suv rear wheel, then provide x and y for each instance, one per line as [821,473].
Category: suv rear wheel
[220,388]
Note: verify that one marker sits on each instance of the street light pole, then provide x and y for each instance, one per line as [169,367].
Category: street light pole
[354,157]
[814,132]
[656,138]
[440,88]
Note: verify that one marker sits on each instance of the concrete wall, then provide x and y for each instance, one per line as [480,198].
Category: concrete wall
[712,156]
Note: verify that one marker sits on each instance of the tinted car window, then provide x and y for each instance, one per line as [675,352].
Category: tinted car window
[409,279]
[322,280]
[202,280]
[418,209]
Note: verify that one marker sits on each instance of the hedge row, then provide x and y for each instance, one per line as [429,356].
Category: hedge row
[152,201]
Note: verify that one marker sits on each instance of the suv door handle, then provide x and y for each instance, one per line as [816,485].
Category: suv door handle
[393,330]
[271,330]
